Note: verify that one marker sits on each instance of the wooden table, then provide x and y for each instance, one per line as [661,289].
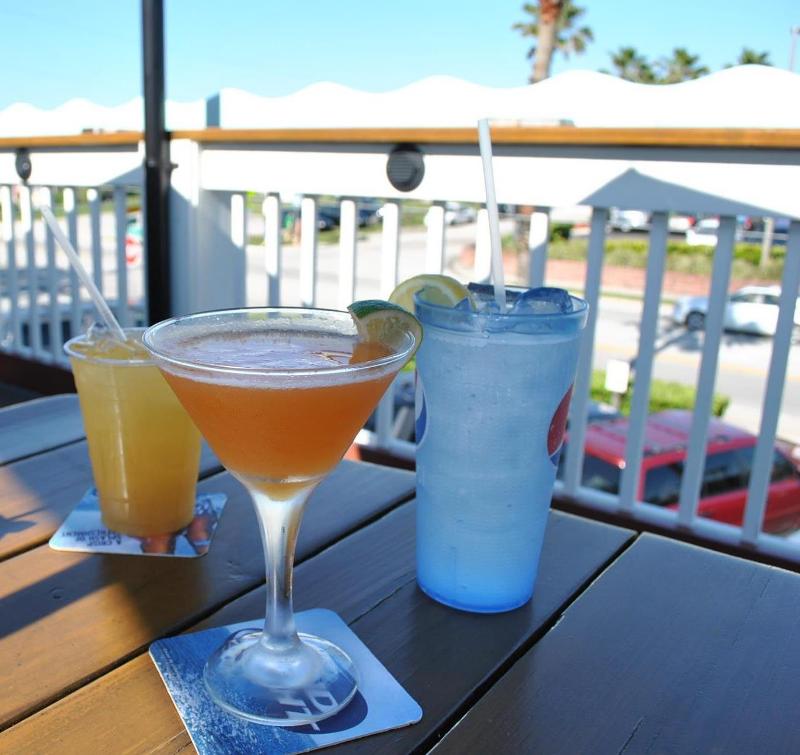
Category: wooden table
[632,643]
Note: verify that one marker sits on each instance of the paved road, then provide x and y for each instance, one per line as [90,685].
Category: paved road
[742,368]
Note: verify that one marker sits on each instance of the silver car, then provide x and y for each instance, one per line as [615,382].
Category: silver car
[752,309]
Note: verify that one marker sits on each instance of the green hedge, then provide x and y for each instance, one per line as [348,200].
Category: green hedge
[681,257]
[663,395]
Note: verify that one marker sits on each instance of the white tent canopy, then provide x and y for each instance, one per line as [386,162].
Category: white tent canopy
[739,97]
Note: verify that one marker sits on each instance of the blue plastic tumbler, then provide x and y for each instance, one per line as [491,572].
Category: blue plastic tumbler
[493,392]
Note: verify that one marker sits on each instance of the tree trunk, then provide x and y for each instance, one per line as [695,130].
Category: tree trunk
[549,11]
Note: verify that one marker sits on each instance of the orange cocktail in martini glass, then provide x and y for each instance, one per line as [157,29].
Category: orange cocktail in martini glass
[279,394]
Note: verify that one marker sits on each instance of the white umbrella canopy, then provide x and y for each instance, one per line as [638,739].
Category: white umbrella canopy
[739,97]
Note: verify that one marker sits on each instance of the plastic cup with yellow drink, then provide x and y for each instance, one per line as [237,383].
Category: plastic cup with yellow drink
[144,448]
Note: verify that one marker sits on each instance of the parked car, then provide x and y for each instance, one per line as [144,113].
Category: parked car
[680,223]
[729,459]
[369,212]
[753,230]
[748,229]
[752,309]
[628,220]
[329,216]
[598,411]
[456,213]
[703,232]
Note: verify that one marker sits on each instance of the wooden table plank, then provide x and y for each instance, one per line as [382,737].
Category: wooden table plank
[84,614]
[39,425]
[351,577]
[440,655]
[37,494]
[674,649]
[446,658]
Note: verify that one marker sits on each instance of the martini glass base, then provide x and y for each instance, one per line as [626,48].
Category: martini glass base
[297,684]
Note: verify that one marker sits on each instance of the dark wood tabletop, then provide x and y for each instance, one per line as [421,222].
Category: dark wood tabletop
[631,643]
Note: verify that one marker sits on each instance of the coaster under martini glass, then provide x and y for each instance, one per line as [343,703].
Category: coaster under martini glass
[380,704]
[83,531]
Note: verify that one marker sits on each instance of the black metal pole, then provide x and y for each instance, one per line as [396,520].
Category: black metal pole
[156,164]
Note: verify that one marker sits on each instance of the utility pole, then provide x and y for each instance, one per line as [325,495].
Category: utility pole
[794,32]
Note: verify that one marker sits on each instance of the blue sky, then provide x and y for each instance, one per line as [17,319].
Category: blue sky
[53,50]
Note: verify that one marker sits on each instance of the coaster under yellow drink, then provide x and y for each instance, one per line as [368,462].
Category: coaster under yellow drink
[144,449]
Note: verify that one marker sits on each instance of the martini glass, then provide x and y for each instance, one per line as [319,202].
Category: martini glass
[279,394]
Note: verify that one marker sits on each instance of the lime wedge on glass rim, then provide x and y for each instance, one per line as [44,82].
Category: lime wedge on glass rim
[383,322]
[439,289]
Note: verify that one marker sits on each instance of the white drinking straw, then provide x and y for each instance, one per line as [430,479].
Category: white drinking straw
[102,307]
[485,142]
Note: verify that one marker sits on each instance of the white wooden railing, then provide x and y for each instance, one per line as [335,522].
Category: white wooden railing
[216,263]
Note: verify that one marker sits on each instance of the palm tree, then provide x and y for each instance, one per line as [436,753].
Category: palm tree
[630,65]
[751,57]
[552,24]
[682,66]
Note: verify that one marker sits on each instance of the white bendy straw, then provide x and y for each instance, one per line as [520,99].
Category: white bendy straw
[106,314]
[485,142]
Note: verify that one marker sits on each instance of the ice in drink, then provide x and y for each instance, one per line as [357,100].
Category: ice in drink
[144,448]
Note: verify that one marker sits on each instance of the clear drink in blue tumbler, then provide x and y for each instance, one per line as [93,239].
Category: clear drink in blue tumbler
[493,392]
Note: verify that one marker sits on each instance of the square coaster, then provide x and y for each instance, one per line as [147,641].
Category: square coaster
[379,705]
[83,530]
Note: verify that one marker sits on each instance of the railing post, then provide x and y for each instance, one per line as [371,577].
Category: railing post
[483,248]
[390,247]
[538,237]
[9,238]
[758,488]
[271,209]
[691,479]
[348,234]
[635,441]
[573,464]
[435,242]
[209,268]
[32,273]
[184,198]
[71,214]
[308,251]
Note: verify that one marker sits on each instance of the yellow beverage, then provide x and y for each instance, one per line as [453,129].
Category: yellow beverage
[278,438]
[144,448]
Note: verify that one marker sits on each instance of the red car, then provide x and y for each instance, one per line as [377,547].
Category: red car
[729,458]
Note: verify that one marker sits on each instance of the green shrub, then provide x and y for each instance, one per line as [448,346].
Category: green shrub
[663,395]
[681,257]
[560,231]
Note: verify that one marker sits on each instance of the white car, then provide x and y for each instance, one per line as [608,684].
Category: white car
[703,232]
[752,309]
[455,214]
[628,220]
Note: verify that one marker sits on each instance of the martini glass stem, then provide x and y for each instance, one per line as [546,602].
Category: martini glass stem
[279,521]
